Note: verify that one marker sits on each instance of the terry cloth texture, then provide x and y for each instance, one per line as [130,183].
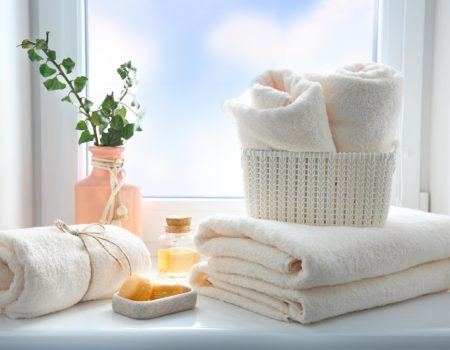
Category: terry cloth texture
[363,103]
[284,259]
[282,111]
[43,270]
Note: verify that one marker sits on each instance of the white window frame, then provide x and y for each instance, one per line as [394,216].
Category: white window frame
[60,162]
[402,31]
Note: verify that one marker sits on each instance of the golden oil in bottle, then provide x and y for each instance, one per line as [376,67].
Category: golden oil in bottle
[176,253]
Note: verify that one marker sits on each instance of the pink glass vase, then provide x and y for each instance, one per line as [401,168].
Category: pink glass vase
[92,193]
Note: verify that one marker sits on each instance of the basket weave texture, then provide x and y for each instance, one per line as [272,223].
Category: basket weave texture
[315,188]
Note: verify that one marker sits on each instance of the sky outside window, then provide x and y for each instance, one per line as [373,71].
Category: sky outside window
[192,56]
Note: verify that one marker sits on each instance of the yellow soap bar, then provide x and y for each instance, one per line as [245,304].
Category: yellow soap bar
[136,288]
[166,290]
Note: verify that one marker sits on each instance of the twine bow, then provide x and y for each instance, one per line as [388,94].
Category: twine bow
[114,167]
[89,231]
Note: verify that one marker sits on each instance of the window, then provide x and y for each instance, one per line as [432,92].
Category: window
[192,55]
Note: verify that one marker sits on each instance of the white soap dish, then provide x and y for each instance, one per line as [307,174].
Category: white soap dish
[144,310]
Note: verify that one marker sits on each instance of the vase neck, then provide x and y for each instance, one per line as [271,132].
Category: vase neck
[107,153]
[110,153]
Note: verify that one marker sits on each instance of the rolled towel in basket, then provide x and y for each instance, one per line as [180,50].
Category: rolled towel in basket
[282,111]
[301,256]
[363,103]
[312,305]
[43,269]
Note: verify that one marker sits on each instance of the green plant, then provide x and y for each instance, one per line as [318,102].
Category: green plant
[106,125]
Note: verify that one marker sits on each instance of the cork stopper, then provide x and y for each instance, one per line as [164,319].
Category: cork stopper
[178,223]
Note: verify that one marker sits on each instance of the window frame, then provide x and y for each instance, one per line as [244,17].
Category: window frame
[399,30]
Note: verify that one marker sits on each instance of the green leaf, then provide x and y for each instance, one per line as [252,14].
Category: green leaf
[85,137]
[33,56]
[41,44]
[128,131]
[81,125]
[46,71]
[79,83]
[112,138]
[26,44]
[98,119]
[68,64]
[108,103]
[135,103]
[121,111]
[87,104]
[117,123]
[139,118]
[51,54]
[122,72]
[67,99]
[54,84]
[104,139]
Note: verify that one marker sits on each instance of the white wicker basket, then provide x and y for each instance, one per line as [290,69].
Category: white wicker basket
[332,189]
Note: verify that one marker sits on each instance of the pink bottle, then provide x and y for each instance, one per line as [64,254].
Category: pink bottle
[93,192]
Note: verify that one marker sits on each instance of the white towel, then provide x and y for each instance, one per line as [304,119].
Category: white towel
[43,270]
[282,111]
[305,256]
[265,97]
[363,103]
[312,305]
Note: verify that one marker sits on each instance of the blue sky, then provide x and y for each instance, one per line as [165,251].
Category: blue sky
[194,54]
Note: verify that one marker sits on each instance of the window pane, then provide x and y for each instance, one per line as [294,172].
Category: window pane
[191,56]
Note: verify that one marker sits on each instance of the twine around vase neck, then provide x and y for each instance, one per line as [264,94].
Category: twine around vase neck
[114,210]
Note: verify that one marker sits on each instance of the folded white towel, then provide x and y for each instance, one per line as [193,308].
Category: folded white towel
[264,97]
[312,305]
[282,111]
[43,270]
[305,256]
[363,103]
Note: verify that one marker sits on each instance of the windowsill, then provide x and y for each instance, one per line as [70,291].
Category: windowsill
[423,323]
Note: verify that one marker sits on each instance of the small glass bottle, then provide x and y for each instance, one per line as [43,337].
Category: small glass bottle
[176,253]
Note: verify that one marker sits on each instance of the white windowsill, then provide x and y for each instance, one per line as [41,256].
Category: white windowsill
[422,323]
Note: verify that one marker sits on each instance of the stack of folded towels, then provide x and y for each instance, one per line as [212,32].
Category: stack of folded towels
[294,272]
[309,273]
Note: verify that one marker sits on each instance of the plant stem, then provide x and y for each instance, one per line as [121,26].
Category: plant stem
[131,109]
[69,83]
[125,92]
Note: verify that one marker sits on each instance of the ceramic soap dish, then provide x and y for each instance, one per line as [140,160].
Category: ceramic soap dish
[144,310]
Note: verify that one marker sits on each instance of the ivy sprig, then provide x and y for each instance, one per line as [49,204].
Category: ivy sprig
[106,125]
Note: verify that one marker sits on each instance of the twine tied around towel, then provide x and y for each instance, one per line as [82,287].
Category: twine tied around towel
[112,213]
[89,231]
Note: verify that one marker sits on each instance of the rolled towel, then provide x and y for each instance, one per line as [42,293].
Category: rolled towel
[282,111]
[43,270]
[363,103]
[312,305]
[264,97]
[301,256]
